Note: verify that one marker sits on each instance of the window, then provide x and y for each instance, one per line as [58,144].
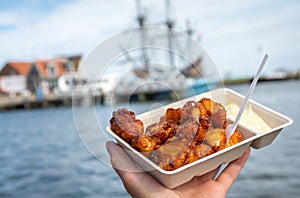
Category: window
[52,69]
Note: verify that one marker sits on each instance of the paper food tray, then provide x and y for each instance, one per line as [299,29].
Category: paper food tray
[174,178]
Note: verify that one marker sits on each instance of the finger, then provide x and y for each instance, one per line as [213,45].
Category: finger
[231,172]
[137,183]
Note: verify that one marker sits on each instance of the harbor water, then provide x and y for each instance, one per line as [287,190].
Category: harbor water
[42,155]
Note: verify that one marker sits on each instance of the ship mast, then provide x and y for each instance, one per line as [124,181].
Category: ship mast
[169,23]
[141,22]
[170,26]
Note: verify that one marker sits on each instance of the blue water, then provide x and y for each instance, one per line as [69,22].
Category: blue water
[42,155]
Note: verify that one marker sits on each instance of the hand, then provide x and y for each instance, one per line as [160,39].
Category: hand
[141,184]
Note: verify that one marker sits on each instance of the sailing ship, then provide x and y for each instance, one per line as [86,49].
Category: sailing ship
[164,74]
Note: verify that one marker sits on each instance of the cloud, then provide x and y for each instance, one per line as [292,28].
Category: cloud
[235,35]
[8,19]
[71,28]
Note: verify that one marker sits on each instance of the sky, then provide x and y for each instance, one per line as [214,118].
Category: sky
[235,33]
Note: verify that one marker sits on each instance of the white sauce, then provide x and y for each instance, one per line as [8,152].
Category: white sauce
[249,119]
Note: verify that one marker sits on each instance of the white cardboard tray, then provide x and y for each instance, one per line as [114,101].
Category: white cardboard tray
[174,178]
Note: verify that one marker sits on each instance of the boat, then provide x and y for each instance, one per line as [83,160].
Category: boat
[172,78]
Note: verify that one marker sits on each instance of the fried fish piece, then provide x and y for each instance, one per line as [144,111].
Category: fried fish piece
[190,112]
[204,117]
[216,111]
[172,115]
[170,155]
[187,132]
[216,138]
[155,135]
[235,138]
[198,151]
[125,124]
[201,134]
